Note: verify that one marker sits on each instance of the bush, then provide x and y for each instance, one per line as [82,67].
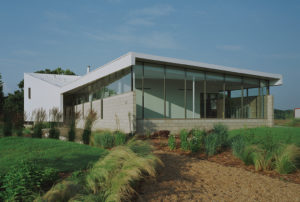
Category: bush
[211,142]
[103,139]
[120,138]
[113,178]
[184,143]
[7,128]
[72,132]
[172,142]
[288,160]
[37,130]
[25,180]
[238,144]
[222,135]
[86,136]
[54,133]
[197,141]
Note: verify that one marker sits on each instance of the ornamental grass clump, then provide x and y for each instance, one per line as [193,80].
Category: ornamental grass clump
[197,140]
[103,139]
[211,143]
[72,126]
[288,160]
[172,142]
[119,138]
[89,121]
[39,118]
[184,142]
[114,177]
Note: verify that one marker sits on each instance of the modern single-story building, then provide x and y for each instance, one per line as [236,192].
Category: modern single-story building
[138,92]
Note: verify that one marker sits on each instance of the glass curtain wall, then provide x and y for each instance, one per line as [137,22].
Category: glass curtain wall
[153,91]
[175,93]
[214,95]
[233,104]
[169,92]
[194,94]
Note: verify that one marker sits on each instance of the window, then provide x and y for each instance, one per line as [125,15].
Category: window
[175,106]
[214,95]
[233,104]
[29,93]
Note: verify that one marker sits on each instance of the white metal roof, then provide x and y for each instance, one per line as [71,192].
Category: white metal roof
[130,59]
[55,79]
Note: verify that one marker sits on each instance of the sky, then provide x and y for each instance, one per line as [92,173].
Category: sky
[256,35]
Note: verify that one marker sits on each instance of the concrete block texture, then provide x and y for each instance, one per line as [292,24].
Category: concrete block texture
[118,113]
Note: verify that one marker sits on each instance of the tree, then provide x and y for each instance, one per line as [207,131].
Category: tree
[1,96]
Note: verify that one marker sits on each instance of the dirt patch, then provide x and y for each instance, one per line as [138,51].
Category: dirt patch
[192,179]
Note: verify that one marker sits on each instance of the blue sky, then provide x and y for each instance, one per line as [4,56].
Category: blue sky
[257,35]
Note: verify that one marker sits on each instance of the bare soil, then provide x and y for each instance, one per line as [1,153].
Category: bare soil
[187,177]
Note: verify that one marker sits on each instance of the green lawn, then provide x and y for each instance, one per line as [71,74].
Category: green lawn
[64,156]
[279,134]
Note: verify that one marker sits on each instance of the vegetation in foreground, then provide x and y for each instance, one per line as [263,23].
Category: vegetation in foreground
[110,179]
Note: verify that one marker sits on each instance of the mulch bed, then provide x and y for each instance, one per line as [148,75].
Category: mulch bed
[225,158]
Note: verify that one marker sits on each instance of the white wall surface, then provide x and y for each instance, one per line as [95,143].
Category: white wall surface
[43,95]
[297,113]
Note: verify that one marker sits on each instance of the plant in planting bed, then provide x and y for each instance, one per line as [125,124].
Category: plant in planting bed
[184,142]
[172,142]
[120,138]
[211,143]
[104,139]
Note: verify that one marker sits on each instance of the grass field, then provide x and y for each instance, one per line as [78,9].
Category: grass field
[64,156]
[290,135]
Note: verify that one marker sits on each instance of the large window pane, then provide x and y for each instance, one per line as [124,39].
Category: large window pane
[138,73]
[153,91]
[214,95]
[194,94]
[233,105]
[175,93]
[251,87]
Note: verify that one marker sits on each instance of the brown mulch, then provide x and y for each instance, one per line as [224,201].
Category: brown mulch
[226,158]
[192,177]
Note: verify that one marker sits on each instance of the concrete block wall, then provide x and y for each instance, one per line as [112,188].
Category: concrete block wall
[119,113]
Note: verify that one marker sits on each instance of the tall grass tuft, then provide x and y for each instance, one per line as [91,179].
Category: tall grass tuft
[112,178]
[222,135]
[197,140]
[288,160]
[172,142]
[89,121]
[103,139]
[119,138]
[211,143]
[238,144]
[184,142]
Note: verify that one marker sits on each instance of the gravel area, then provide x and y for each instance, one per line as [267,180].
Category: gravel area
[190,179]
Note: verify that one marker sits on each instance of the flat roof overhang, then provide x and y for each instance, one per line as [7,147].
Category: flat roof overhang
[131,58]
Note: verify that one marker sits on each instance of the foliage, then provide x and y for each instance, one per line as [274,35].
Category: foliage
[58,70]
[26,179]
[7,127]
[288,160]
[112,178]
[37,130]
[184,143]
[294,123]
[72,126]
[55,117]
[89,121]
[64,156]
[120,138]
[238,144]
[211,143]
[1,96]
[283,114]
[39,115]
[221,131]
[197,141]
[54,132]
[103,139]
[172,142]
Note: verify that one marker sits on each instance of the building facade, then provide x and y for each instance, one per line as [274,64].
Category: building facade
[140,93]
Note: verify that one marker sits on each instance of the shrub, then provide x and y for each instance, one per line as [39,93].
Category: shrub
[238,144]
[211,142]
[120,138]
[222,135]
[288,160]
[184,143]
[7,128]
[54,133]
[89,121]
[25,180]
[72,132]
[197,141]
[104,139]
[37,130]
[172,142]
[113,178]
[86,136]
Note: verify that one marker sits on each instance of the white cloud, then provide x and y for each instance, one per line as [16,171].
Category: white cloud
[26,53]
[229,47]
